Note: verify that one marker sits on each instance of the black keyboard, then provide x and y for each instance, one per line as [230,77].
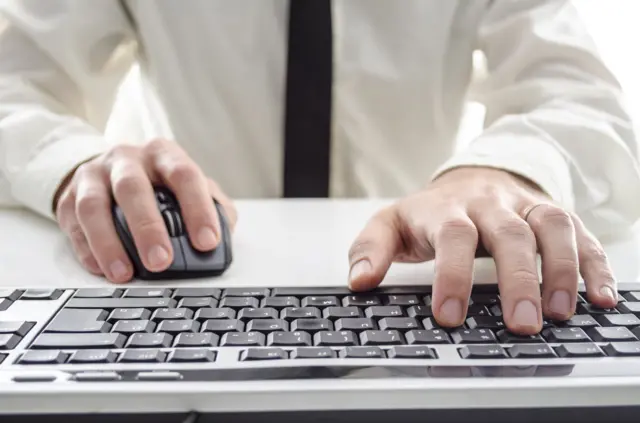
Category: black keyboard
[230,328]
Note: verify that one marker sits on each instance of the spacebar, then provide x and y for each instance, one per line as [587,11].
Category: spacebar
[56,341]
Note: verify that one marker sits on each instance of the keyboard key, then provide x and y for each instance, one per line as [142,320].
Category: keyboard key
[361,301]
[381,337]
[312,325]
[10,294]
[404,290]
[192,356]
[563,335]
[325,301]
[267,325]
[289,339]
[410,351]
[15,327]
[142,356]
[241,339]
[335,338]
[359,324]
[482,351]
[311,291]
[215,313]
[79,321]
[293,313]
[579,321]
[223,326]
[486,322]
[174,327]
[133,326]
[379,312]
[129,314]
[147,293]
[246,292]
[473,336]
[420,311]
[430,336]
[586,349]
[43,357]
[478,310]
[198,302]
[594,310]
[181,293]
[362,352]
[280,302]
[629,307]
[5,303]
[430,323]
[171,314]
[506,337]
[93,357]
[335,313]
[622,349]
[150,340]
[398,323]
[9,341]
[532,351]
[207,339]
[402,300]
[627,319]
[41,294]
[78,341]
[484,299]
[633,296]
[313,352]
[247,314]
[611,334]
[254,354]
[239,302]
[98,293]
[113,303]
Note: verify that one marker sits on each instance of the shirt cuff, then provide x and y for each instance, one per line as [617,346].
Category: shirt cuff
[528,157]
[38,183]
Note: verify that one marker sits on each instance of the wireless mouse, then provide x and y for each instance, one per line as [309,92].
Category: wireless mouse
[187,262]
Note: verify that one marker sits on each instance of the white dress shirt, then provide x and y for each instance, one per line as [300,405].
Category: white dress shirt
[402,77]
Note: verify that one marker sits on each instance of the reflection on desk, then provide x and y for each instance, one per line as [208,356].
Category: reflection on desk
[277,243]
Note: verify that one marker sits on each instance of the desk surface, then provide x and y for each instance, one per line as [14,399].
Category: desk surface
[277,243]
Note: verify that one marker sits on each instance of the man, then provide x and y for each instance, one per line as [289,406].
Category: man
[247,89]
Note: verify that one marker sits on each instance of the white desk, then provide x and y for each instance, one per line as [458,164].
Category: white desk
[276,243]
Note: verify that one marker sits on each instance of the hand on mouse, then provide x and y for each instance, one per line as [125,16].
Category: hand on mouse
[127,174]
[468,209]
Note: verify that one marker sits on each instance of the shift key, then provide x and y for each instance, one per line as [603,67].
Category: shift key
[79,341]
[111,303]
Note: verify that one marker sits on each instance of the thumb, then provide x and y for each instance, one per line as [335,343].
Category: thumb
[373,251]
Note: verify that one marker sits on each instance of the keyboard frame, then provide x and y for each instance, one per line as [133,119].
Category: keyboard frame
[384,384]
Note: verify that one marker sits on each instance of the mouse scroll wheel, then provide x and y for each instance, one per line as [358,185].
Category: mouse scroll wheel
[170,223]
[177,218]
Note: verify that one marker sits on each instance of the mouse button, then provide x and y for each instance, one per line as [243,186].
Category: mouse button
[169,222]
[200,261]
[178,255]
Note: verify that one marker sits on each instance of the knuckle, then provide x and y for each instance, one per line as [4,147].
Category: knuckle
[119,151]
[563,267]
[155,146]
[514,229]
[523,281]
[458,229]
[90,204]
[360,248]
[555,216]
[77,236]
[127,184]
[594,252]
[181,173]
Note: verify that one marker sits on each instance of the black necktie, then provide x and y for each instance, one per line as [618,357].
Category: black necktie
[307,129]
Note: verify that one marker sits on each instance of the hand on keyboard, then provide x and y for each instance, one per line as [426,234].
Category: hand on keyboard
[128,173]
[470,209]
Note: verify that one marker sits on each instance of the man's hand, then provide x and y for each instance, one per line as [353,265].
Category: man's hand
[127,174]
[468,209]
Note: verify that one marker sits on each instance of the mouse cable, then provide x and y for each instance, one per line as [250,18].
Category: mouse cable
[193,417]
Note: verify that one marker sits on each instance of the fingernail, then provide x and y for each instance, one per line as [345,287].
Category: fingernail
[207,238]
[525,314]
[606,291]
[451,311]
[158,256]
[560,303]
[118,270]
[358,270]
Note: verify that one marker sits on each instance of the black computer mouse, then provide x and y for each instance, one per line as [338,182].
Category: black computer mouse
[187,261]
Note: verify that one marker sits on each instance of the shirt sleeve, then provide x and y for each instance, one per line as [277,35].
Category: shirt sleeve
[61,63]
[555,113]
